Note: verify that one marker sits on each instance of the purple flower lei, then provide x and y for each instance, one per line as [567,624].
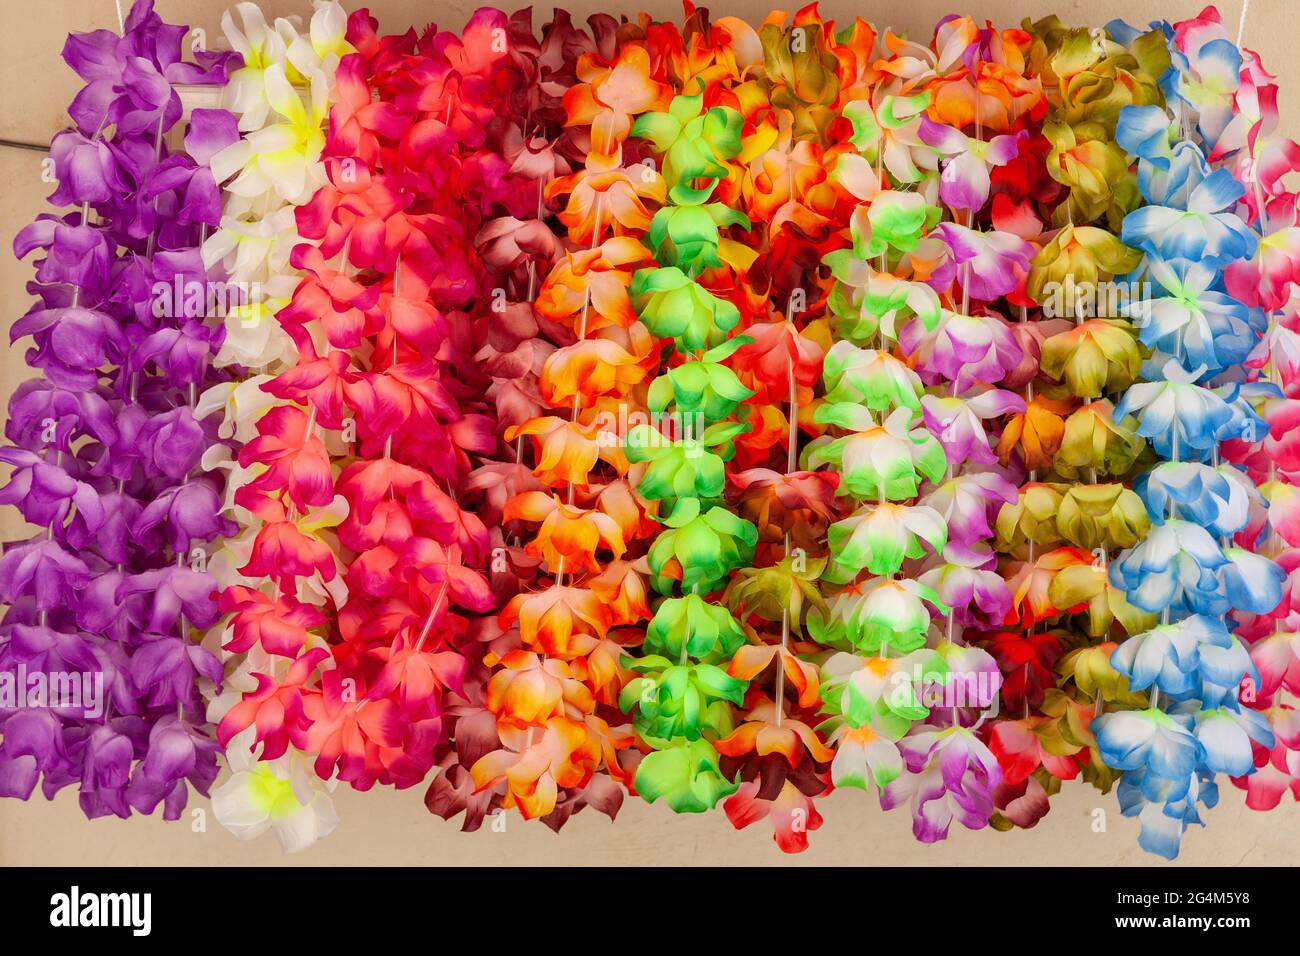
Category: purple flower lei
[97,671]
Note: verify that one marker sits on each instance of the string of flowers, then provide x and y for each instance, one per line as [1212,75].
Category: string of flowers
[281,97]
[1250,145]
[962,349]
[551,747]
[874,622]
[292,494]
[680,695]
[1069,519]
[1193,725]
[378,715]
[107,443]
[787,187]
[538,294]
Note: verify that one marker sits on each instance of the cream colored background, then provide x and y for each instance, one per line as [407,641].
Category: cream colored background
[388,827]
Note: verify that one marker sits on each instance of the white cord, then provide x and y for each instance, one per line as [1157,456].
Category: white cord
[121,24]
[1241,24]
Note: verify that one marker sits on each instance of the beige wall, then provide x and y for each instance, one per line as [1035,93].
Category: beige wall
[390,827]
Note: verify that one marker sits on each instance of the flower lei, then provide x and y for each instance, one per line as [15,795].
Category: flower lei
[544,742]
[681,695]
[776,754]
[908,693]
[281,97]
[1076,509]
[1249,143]
[1195,724]
[403,216]
[107,442]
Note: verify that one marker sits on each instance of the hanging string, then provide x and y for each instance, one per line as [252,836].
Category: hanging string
[1241,23]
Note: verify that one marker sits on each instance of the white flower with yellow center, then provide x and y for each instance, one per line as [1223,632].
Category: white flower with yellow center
[281,795]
